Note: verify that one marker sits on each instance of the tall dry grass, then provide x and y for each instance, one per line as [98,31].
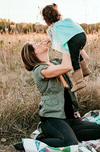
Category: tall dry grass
[89,97]
[19,96]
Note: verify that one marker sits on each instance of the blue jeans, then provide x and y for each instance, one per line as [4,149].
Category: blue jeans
[65,132]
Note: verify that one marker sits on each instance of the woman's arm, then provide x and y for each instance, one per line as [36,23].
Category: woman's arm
[56,70]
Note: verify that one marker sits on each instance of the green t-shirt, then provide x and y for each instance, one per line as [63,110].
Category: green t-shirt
[52,93]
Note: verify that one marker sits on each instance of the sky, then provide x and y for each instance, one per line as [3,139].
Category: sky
[81,11]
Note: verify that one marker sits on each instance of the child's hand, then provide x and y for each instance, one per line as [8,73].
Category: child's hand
[46,41]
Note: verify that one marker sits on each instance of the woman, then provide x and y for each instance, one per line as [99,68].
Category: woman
[58,123]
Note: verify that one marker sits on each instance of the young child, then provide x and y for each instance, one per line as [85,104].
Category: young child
[67,37]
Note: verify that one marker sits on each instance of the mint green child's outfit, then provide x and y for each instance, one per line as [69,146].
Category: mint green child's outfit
[68,37]
[62,31]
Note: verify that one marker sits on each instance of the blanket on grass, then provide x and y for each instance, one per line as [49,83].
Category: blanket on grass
[33,145]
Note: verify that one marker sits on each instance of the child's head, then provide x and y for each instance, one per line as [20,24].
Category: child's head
[50,14]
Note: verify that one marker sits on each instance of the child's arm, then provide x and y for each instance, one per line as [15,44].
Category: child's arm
[84,55]
[46,41]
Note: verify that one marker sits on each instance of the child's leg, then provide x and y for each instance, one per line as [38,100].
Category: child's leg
[75,45]
[84,55]
[85,69]
[83,58]
[79,82]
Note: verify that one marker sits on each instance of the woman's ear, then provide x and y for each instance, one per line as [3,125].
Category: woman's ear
[33,53]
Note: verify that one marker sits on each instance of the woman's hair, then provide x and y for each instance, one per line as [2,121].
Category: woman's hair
[50,13]
[30,60]
[29,57]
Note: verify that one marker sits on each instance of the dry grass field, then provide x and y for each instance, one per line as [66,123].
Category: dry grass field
[19,96]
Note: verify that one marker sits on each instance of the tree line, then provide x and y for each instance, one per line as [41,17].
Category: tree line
[10,27]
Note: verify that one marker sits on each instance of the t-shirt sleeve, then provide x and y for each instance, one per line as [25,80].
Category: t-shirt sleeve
[37,72]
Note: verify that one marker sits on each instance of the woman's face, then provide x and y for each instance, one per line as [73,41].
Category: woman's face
[39,48]
[41,51]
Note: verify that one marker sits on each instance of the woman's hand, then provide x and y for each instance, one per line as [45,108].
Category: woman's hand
[46,41]
[57,70]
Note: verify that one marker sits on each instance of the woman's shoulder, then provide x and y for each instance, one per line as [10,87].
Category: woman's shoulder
[37,71]
[40,66]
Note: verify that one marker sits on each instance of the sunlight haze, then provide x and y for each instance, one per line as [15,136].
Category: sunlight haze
[81,11]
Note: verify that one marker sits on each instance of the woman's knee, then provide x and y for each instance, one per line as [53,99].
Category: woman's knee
[68,142]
